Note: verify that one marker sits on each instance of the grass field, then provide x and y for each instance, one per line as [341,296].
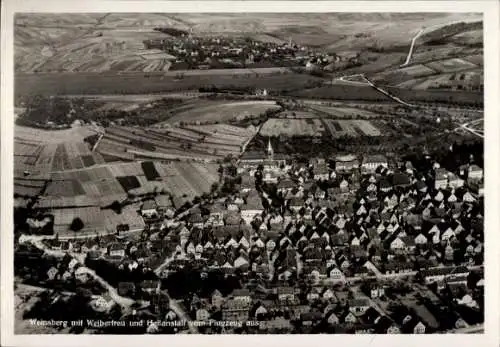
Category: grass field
[342,92]
[292,127]
[139,83]
[452,65]
[223,111]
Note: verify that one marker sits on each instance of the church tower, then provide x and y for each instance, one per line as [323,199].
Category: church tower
[270,151]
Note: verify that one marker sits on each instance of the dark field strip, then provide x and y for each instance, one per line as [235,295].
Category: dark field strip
[150,170]
[337,126]
[128,182]
[88,160]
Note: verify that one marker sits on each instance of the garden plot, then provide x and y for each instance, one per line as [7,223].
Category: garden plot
[292,127]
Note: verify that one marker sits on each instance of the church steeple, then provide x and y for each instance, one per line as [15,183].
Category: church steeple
[270,151]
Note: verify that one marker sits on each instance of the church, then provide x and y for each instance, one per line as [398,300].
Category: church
[270,161]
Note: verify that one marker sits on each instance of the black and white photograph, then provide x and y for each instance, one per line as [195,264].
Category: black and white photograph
[249,173]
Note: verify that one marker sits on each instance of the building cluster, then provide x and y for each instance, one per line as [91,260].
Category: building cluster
[322,245]
[335,224]
[190,52]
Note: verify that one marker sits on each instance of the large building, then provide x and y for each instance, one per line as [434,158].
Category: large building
[270,161]
[372,162]
[347,162]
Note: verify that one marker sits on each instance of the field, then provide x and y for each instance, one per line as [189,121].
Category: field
[340,112]
[106,184]
[207,142]
[469,80]
[83,193]
[42,151]
[351,128]
[452,65]
[292,127]
[438,96]
[223,111]
[136,83]
[407,73]
[342,92]
[477,59]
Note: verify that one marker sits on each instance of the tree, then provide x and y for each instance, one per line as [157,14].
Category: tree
[77,224]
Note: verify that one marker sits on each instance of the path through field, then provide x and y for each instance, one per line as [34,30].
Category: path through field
[413,40]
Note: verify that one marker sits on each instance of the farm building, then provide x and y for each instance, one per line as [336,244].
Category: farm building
[149,209]
[253,207]
[164,204]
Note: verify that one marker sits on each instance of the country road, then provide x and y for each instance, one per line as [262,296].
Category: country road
[412,46]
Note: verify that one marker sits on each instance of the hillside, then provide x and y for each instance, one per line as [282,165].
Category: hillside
[113,42]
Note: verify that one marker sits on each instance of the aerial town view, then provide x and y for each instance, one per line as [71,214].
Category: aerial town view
[251,173]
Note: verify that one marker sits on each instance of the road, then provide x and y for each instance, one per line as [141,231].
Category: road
[466,126]
[410,52]
[395,98]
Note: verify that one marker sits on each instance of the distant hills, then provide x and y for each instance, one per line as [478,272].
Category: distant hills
[99,42]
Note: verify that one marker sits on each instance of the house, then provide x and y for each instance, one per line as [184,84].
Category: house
[217,299]
[370,163]
[393,329]
[350,318]
[235,310]
[150,286]
[395,267]
[311,318]
[321,172]
[345,163]
[420,239]
[116,250]
[332,319]
[377,291]
[52,272]
[164,205]
[149,209]
[247,183]
[475,172]
[102,303]
[441,179]
[285,185]
[439,274]
[126,288]
[242,296]
[359,306]
[202,315]
[195,219]
[252,208]
[286,295]
[454,181]
[400,180]
[419,328]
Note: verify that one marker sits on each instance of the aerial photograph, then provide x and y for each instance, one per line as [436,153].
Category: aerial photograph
[248,173]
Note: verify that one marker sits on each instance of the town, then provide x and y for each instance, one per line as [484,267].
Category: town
[344,244]
[189,52]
